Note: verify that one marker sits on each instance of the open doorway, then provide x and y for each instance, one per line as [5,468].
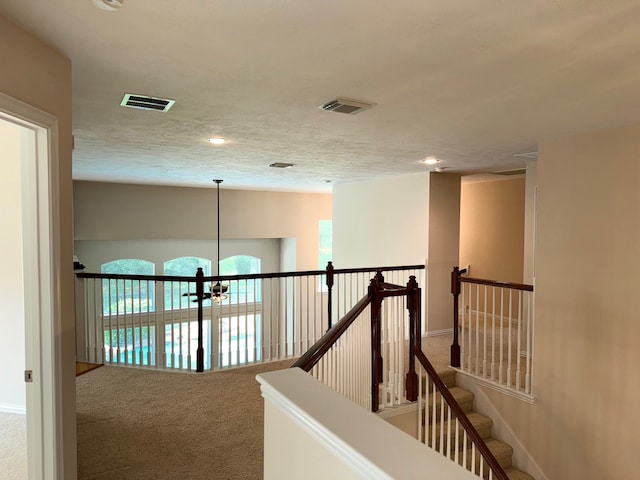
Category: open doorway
[29,251]
[13,395]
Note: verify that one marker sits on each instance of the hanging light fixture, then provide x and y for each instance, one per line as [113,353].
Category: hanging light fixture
[218,290]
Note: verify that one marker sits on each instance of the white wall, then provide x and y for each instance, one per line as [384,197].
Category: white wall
[405,220]
[381,222]
[12,340]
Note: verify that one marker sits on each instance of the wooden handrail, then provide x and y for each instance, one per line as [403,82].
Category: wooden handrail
[307,361]
[455,407]
[251,276]
[456,280]
[497,283]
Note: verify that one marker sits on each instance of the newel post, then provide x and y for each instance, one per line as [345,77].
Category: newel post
[455,291]
[376,340]
[200,299]
[413,305]
[329,283]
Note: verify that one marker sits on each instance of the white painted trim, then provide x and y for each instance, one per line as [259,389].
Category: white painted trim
[439,333]
[501,429]
[8,408]
[510,392]
[403,409]
[41,242]
[371,447]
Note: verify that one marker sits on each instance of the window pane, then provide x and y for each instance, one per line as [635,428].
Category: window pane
[183,267]
[244,290]
[128,296]
[325,243]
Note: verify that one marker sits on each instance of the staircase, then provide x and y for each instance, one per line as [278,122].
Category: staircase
[502,451]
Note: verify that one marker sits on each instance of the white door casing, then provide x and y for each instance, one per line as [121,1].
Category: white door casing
[41,260]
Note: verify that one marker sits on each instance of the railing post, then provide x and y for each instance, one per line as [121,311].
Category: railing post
[413,305]
[329,282]
[200,299]
[376,347]
[455,291]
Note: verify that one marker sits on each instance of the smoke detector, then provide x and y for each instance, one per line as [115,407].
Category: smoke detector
[143,102]
[346,105]
[109,5]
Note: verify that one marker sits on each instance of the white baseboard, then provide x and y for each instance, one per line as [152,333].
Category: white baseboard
[439,333]
[9,408]
[403,409]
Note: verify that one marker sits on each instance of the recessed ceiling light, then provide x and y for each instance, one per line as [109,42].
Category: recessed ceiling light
[217,141]
[430,161]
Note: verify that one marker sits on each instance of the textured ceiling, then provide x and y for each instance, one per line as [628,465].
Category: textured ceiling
[470,81]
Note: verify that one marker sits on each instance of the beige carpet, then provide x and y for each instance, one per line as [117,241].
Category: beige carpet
[13,446]
[142,424]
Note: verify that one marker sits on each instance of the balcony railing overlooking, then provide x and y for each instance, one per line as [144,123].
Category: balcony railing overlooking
[167,322]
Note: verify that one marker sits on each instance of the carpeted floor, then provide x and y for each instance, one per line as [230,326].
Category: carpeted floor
[13,446]
[142,424]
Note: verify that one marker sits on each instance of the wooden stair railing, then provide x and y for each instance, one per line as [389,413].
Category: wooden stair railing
[378,290]
[493,465]
[498,321]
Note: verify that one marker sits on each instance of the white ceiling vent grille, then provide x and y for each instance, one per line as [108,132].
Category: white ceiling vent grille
[527,155]
[143,102]
[515,171]
[346,105]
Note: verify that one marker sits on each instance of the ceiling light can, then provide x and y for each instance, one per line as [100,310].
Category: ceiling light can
[109,5]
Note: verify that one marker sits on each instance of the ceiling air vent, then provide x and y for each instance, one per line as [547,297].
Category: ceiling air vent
[515,171]
[527,155]
[143,102]
[281,165]
[345,105]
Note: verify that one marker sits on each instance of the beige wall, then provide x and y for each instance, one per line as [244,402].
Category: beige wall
[444,238]
[107,211]
[585,420]
[492,215]
[39,76]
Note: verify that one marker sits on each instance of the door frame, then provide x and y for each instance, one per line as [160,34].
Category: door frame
[42,281]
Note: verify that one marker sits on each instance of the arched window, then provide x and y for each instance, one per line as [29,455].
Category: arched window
[182,267]
[120,296]
[243,291]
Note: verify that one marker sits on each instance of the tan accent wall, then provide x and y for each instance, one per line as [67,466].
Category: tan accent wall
[492,215]
[40,76]
[585,420]
[109,211]
[444,238]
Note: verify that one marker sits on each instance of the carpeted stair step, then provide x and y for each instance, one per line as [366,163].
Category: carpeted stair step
[463,397]
[500,450]
[481,423]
